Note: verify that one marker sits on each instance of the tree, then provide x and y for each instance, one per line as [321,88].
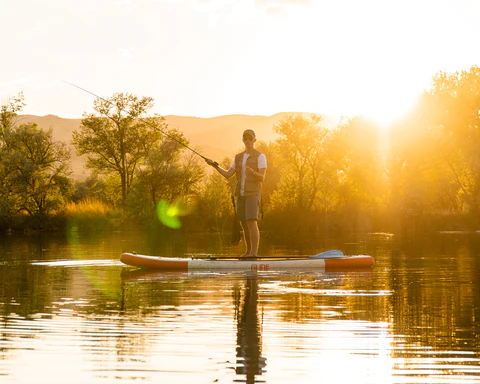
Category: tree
[215,210]
[454,114]
[361,173]
[91,188]
[307,177]
[273,173]
[414,167]
[8,112]
[119,137]
[435,162]
[35,170]
[167,173]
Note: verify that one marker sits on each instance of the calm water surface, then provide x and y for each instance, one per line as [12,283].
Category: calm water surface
[71,313]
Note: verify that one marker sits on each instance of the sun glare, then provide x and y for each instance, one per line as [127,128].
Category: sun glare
[387,108]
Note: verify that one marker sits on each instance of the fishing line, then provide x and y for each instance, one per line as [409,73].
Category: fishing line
[215,164]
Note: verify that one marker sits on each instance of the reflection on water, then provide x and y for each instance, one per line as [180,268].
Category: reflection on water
[249,335]
[71,313]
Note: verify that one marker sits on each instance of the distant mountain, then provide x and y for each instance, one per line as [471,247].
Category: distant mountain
[213,137]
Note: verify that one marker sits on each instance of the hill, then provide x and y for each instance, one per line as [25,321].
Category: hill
[213,137]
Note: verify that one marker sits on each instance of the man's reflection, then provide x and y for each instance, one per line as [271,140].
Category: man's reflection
[249,336]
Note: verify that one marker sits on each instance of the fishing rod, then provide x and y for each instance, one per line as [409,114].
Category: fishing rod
[214,164]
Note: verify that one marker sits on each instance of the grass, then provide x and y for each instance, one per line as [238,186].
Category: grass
[91,214]
[87,208]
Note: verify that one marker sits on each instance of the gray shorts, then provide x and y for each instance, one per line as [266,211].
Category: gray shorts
[247,207]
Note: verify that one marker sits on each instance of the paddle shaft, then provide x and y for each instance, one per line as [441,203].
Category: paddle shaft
[323,255]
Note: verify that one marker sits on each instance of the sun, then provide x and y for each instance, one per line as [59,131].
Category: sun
[384,108]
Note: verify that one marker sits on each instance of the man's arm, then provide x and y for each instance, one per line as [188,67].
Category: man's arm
[262,169]
[260,175]
[227,173]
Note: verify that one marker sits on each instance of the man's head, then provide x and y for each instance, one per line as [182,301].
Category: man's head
[248,134]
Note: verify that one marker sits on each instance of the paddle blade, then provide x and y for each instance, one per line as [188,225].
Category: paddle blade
[236,235]
[335,253]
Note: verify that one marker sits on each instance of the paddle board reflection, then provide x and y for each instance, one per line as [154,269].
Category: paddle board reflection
[249,330]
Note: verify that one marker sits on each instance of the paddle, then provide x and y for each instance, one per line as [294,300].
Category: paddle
[335,253]
[323,255]
[236,235]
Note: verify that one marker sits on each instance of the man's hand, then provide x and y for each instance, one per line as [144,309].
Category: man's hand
[212,163]
[259,176]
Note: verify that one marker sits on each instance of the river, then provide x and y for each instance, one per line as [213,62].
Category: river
[72,313]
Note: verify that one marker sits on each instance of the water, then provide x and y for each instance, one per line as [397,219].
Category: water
[71,313]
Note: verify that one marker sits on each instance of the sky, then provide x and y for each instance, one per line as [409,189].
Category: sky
[209,58]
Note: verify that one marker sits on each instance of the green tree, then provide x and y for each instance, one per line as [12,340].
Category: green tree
[272,176]
[168,172]
[215,209]
[36,170]
[307,177]
[91,188]
[119,136]
[8,113]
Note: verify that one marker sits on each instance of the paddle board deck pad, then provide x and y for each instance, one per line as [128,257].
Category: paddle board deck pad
[258,264]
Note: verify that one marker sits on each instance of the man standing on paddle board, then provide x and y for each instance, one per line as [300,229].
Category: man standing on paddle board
[249,168]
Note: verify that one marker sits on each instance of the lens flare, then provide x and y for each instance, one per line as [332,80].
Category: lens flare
[169,214]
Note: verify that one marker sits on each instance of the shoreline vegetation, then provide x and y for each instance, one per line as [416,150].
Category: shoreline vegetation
[95,215]
[423,174]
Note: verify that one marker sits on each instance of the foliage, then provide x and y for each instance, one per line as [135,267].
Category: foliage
[37,169]
[317,179]
[456,119]
[435,164]
[215,210]
[307,173]
[273,173]
[361,188]
[119,137]
[8,113]
[94,187]
[34,169]
[169,172]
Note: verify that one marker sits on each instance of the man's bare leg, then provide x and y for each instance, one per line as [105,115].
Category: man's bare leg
[254,238]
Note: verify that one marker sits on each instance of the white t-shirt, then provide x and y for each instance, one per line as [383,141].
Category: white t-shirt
[262,163]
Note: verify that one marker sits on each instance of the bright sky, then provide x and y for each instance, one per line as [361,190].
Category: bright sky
[216,57]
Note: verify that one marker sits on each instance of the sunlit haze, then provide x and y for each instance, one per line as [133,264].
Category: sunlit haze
[216,57]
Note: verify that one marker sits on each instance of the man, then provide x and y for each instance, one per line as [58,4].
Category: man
[249,168]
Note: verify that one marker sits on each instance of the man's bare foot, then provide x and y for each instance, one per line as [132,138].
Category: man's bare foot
[248,256]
